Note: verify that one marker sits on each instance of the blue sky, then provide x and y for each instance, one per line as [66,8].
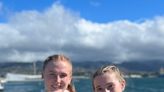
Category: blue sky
[111,10]
[95,30]
[94,10]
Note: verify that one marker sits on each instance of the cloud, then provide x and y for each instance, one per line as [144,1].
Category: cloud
[95,3]
[32,35]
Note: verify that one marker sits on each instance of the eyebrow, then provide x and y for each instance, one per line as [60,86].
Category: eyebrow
[56,72]
[51,71]
[110,83]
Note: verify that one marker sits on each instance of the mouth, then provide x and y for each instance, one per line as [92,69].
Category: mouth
[56,87]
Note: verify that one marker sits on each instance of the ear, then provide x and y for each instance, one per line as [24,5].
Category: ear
[123,84]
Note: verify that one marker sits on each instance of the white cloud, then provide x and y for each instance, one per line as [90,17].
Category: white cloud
[33,35]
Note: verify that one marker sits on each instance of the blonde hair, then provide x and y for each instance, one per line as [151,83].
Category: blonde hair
[108,69]
[60,58]
[71,87]
[56,58]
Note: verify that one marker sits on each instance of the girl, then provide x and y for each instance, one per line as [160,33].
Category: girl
[108,79]
[57,74]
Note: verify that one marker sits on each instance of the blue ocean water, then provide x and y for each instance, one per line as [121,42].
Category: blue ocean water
[84,85]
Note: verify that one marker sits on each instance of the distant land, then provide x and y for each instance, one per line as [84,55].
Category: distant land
[84,67]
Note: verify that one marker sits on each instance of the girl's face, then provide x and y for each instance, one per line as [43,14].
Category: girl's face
[108,82]
[57,76]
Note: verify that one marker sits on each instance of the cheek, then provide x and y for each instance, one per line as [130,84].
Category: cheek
[48,81]
[47,84]
[69,77]
[118,87]
[68,80]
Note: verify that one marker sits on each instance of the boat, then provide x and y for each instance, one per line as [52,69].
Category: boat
[13,77]
[17,77]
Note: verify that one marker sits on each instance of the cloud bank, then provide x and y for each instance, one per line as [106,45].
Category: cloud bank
[32,35]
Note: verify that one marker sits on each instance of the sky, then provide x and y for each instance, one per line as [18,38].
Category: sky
[84,30]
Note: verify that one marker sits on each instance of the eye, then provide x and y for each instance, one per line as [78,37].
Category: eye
[98,89]
[63,75]
[109,86]
[51,75]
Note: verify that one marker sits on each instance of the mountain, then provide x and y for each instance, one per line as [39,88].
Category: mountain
[147,66]
[83,67]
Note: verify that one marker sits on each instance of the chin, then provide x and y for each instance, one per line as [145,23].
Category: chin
[58,90]
[66,91]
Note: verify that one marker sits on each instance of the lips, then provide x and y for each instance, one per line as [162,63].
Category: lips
[56,87]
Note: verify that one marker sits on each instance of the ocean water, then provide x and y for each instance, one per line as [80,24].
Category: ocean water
[84,85]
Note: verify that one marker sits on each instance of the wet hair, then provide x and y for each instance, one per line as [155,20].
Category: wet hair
[108,69]
[60,58]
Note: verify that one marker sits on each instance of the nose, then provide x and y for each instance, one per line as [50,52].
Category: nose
[58,79]
[106,90]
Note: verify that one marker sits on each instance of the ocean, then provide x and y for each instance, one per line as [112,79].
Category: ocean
[84,85]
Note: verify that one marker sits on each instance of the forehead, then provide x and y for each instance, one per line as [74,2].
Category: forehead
[105,79]
[58,65]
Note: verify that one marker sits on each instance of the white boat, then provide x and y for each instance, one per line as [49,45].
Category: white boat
[1,87]
[11,77]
